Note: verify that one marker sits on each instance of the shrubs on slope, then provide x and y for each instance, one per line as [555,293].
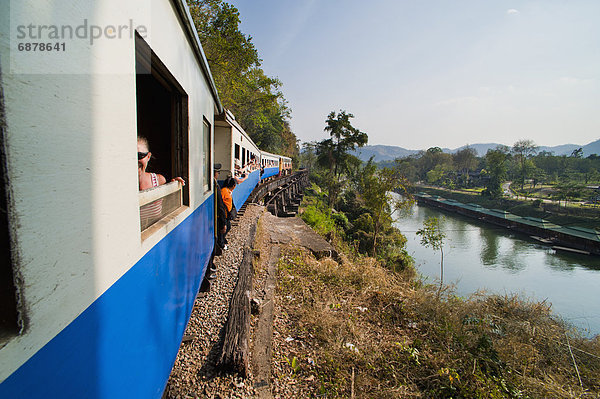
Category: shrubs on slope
[355,329]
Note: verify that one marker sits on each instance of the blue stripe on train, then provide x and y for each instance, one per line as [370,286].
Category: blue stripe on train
[270,172]
[125,343]
[242,191]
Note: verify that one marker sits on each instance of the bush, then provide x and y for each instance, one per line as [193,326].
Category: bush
[341,220]
[320,221]
[361,330]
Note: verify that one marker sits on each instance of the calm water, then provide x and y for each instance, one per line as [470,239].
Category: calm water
[480,256]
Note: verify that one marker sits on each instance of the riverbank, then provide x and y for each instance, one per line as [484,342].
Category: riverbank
[356,329]
[482,256]
[574,239]
[584,217]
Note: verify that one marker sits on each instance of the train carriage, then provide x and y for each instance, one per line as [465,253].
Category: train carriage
[285,165]
[238,155]
[270,164]
[95,298]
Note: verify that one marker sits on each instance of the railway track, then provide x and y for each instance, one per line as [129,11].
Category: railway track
[281,196]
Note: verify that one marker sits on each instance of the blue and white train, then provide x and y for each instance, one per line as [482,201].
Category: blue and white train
[95,300]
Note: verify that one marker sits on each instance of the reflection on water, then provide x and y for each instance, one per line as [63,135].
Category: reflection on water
[490,247]
[482,256]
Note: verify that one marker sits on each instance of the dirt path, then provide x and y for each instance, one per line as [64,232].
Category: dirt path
[195,373]
[263,332]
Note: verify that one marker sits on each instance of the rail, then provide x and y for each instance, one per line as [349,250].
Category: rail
[265,188]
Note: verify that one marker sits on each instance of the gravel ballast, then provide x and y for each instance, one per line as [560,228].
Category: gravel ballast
[195,374]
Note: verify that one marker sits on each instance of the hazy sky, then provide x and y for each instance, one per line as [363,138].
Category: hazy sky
[425,73]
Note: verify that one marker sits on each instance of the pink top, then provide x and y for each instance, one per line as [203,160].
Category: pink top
[152,210]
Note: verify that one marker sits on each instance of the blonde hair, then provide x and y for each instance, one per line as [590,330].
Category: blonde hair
[144,141]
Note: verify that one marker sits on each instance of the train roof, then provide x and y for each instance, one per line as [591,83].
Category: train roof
[226,118]
[268,153]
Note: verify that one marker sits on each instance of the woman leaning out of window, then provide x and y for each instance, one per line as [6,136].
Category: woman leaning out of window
[149,180]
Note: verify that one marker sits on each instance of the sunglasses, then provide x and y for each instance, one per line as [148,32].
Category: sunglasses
[142,155]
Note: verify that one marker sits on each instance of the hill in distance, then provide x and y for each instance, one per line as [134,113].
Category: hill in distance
[389,152]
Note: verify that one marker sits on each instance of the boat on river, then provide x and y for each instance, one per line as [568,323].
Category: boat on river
[580,239]
[571,250]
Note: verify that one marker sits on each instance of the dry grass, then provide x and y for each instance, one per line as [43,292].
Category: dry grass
[355,329]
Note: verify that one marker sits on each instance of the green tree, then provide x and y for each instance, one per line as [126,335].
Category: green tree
[333,153]
[431,158]
[254,98]
[230,54]
[406,168]
[567,190]
[537,175]
[433,236]
[376,187]
[530,172]
[546,166]
[308,155]
[465,160]
[523,149]
[496,168]
[577,153]
[440,175]
[592,175]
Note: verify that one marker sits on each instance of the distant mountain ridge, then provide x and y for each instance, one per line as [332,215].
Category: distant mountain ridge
[390,152]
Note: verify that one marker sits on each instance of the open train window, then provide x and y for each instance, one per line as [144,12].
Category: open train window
[206,155]
[243,157]
[9,316]
[162,118]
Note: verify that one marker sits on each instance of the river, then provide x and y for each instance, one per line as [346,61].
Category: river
[480,256]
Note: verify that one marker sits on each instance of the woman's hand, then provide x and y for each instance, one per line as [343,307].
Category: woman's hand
[180,180]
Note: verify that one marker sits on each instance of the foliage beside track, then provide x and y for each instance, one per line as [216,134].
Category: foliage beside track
[356,329]
[351,200]
[255,99]
[352,230]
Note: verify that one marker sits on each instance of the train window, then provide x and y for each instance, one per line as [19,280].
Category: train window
[236,152]
[206,154]
[162,118]
[243,157]
[9,316]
